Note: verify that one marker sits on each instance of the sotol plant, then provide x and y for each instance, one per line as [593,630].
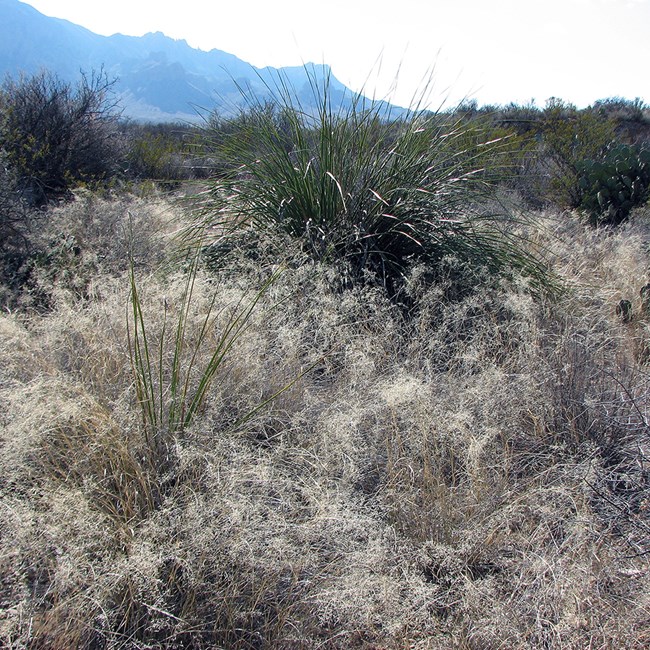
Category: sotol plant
[365,190]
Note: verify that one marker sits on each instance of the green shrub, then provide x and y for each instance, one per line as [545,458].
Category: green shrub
[497,149]
[611,187]
[621,109]
[367,193]
[569,137]
[152,157]
[157,152]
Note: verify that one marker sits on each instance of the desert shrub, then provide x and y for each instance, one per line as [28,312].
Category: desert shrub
[150,156]
[506,150]
[495,150]
[57,135]
[571,136]
[362,191]
[612,186]
[157,152]
[621,109]
[15,241]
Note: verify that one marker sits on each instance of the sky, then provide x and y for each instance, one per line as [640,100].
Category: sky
[435,51]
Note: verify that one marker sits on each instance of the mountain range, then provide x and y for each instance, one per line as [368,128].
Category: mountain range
[157,78]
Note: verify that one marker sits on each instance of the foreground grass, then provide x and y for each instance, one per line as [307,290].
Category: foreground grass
[472,474]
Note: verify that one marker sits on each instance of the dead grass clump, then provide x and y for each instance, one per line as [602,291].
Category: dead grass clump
[108,230]
[74,244]
[466,471]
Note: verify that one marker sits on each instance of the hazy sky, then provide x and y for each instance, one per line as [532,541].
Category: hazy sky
[495,51]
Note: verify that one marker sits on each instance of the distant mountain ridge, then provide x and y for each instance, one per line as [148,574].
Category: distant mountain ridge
[158,78]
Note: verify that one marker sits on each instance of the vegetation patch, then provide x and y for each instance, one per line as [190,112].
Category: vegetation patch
[344,420]
[369,193]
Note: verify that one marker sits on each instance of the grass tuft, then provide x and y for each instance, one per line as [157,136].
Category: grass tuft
[171,392]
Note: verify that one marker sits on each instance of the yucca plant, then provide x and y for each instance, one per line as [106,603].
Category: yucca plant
[360,187]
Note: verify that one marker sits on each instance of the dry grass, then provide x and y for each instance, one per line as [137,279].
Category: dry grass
[472,474]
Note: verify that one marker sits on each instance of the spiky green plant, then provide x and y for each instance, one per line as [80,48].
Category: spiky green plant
[360,187]
[170,394]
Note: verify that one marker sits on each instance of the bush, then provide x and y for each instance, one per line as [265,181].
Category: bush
[621,109]
[368,194]
[495,147]
[611,187]
[571,136]
[57,136]
[157,152]
[14,229]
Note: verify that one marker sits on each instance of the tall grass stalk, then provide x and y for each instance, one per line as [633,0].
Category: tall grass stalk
[358,185]
[168,396]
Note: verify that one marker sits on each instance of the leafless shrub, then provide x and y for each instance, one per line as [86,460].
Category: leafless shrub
[57,135]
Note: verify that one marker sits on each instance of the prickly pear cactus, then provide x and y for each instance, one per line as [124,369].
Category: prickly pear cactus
[611,187]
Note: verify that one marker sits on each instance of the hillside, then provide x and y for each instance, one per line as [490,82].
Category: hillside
[158,78]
